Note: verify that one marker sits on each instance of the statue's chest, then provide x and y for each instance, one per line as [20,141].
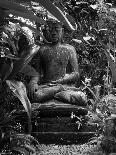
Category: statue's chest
[58,55]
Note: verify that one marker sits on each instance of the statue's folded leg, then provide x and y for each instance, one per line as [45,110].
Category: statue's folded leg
[76,97]
[47,93]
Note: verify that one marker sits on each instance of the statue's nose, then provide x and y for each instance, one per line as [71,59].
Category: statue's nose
[53,33]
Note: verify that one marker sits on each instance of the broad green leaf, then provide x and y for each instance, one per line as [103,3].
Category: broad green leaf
[25,59]
[55,11]
[19,90]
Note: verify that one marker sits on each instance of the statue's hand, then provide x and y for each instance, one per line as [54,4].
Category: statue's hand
[59,81]
[32,88]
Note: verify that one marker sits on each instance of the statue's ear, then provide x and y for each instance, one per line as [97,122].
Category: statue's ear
[62,31]
[62,40]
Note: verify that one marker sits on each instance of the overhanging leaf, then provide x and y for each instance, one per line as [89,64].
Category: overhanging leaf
[16,9]
[10,4]
[28,15]
[22,11]
[19,90]
[56,12]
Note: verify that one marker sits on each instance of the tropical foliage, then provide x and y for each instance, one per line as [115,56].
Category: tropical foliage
[13,59]
[91,25]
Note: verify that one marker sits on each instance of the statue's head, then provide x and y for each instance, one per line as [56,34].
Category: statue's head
[53,31]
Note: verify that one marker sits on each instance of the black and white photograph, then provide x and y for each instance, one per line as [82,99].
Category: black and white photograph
[57,77]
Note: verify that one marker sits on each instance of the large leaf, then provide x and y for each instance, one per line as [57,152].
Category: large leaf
[18,10]
[25,59]
[9,4]
[21,11]
[55,11]
[28,15]
[19,90]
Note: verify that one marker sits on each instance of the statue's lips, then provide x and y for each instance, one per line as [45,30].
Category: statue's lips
[54,37]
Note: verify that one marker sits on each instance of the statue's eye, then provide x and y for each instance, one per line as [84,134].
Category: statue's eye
[58,29]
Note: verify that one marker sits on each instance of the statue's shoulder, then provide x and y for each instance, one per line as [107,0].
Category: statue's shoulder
[43,49]
[69,47]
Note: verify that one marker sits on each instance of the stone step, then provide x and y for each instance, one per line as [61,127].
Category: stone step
[62,138]
[55,120]
[55,108]
[63,127]
[64,132]
[56,127]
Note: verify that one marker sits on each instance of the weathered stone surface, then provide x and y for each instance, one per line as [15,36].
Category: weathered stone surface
[54,108]
[73,97]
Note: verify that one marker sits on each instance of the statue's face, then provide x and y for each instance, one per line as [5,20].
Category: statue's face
[54,32]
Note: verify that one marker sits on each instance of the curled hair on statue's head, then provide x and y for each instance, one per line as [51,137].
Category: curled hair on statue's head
[53,21]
